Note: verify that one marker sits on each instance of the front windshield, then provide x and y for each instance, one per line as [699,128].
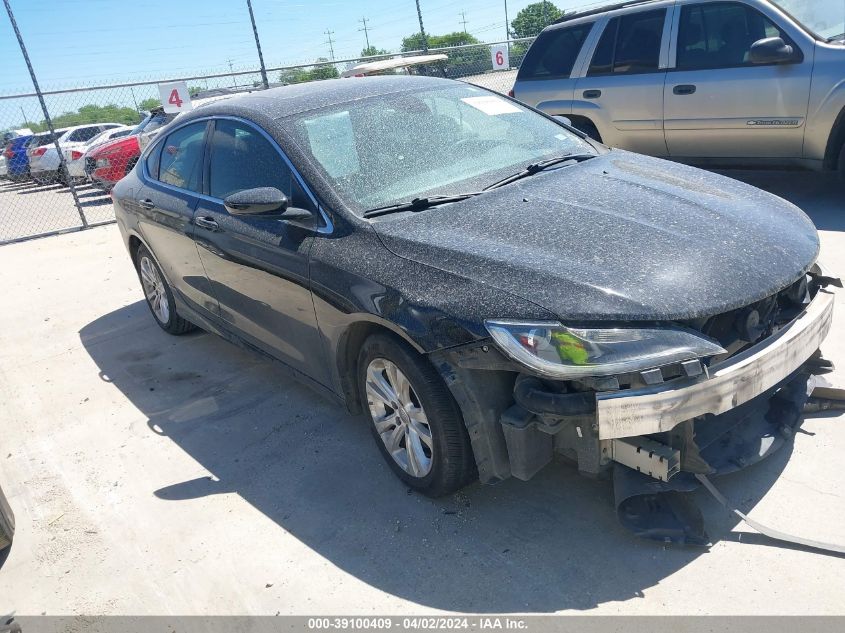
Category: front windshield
[824,18]
[442,141]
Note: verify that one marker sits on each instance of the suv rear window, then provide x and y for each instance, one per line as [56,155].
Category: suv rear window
[553,54]
[630,44]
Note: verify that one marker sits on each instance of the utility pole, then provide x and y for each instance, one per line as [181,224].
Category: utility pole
[134,100]
[366,32]
[422,29]
[464,20]
[258,46]
[23,114]
[232,69]
[47,119]
[545,19]
[330,42]
[507,24]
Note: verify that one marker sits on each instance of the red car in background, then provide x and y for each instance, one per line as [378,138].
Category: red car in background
[107,163]
[111,161]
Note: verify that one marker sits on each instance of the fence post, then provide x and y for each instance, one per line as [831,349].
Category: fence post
[62,165]
[258,46]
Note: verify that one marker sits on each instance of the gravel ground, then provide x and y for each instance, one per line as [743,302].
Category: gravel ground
[160,475]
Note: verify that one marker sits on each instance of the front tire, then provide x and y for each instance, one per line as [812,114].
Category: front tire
[415,420]
[158,295]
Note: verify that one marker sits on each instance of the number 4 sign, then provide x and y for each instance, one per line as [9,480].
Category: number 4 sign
[175,97]
[499,54]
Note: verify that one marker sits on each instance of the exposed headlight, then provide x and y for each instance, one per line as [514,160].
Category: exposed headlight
[557,351]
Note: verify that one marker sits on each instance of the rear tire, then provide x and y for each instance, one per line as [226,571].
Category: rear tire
[158,295]
[415,421]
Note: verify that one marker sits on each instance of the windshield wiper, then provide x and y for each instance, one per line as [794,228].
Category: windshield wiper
[836,38]
[535,168]
[418,204]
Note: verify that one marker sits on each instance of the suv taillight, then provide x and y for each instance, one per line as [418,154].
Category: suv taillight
[9,153]
[510,93]
[39,151]
[74,155]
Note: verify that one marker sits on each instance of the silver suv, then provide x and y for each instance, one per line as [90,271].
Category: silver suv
[736,81]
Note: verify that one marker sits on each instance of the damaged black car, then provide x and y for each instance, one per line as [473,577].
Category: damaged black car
[487,285]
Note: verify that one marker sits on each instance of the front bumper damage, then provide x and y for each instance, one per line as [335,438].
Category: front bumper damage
[653,440]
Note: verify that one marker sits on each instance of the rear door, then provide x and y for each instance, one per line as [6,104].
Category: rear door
[622,92]
[718,103]
[166,204]
[258,266]
[545,80]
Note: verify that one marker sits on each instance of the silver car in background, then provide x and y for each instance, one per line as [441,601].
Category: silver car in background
[745,81]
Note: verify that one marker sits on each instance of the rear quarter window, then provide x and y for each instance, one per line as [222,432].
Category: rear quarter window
[553,54]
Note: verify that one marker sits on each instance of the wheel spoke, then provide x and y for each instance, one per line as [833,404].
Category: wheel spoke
[393,438]
[423,433]
[385,424]
[381,388]
[416,456]
[400,384]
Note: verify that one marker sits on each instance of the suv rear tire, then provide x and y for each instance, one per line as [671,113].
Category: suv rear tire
[414,419]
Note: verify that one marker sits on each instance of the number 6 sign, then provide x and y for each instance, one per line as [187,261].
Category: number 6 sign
[175,97]
[499,55]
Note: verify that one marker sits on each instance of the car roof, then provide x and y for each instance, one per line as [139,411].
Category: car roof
[285,101]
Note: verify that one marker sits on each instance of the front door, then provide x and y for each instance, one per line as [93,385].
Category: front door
[719,104]
[258,266]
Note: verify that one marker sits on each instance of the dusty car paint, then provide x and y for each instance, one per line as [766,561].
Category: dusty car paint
[617,239]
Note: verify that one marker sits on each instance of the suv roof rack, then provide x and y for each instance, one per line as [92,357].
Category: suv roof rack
[604,9]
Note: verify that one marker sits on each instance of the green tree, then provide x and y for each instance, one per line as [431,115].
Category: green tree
[322,70]
[534,18]
[149,104]
[372,51]
[91,114]
[462,61]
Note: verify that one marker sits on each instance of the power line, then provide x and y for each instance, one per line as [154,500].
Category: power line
[330,41]
[366,32]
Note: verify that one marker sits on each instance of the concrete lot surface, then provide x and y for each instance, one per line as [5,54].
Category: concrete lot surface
[160,475]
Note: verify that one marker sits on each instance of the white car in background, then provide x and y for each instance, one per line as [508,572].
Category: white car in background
[44,161]
[75,155]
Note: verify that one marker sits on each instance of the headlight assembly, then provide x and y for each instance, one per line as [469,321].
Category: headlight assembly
[557,351]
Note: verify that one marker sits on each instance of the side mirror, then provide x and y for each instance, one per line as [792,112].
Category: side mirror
[563,119]
[256,201]
[771,50]
[267,201]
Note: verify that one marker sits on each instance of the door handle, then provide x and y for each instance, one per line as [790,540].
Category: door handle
[592,94]
[686,89]
[207,223]
[147,204]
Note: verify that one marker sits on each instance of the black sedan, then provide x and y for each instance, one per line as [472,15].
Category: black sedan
[487,284]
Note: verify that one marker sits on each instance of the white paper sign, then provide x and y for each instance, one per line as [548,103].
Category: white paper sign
[499,55]
[492,105]
[175,97]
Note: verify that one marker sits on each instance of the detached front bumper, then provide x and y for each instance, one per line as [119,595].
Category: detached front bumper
[728,385]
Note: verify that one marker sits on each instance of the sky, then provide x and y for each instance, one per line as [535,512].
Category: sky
[87,42]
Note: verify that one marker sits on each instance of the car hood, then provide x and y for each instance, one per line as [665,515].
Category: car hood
[618,237]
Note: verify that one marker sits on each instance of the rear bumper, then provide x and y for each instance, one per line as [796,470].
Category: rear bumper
[730,384]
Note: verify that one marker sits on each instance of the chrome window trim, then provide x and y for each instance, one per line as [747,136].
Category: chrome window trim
[142,160]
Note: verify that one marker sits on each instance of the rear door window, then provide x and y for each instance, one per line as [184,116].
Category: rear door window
[181,157]
[554,53]
[83,134]
[630,44]
[720,35]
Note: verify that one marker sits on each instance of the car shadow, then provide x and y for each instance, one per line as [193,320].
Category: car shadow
[549,544]
[820,195]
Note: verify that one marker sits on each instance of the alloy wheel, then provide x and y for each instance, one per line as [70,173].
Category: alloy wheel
[399,417]
[154,290]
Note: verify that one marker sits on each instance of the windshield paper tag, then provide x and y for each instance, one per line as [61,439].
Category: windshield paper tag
[491,105]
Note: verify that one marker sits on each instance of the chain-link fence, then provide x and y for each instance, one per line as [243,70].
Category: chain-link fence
[101,130]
